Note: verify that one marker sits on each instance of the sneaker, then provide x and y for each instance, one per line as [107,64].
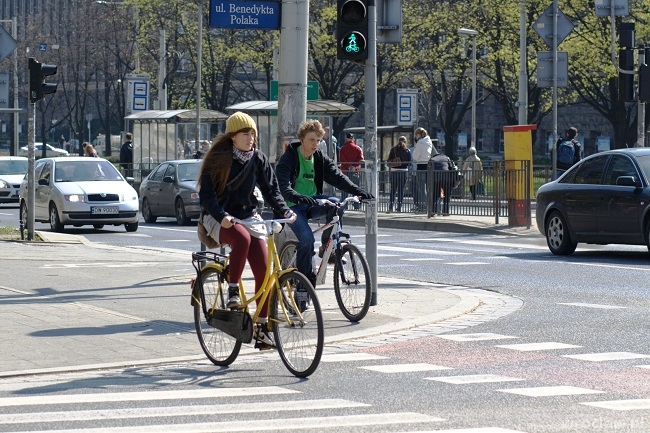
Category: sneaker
[234,301]
[262,336]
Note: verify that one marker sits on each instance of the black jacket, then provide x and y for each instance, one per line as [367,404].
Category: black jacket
[324,171]
[126,153]
[242,203]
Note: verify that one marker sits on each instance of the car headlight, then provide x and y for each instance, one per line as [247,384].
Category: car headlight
[3,184]
[75,198]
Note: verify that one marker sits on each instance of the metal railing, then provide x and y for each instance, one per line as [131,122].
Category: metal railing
[501,189]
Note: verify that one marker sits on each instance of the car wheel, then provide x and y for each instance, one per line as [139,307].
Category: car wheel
[131,227]
[146,212]
[98,226]
[55,221]
[181,216]
[558,237]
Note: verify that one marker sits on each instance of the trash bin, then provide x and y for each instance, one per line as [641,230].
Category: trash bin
[518,156]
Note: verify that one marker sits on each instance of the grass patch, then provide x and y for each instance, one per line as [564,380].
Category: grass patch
[9,233]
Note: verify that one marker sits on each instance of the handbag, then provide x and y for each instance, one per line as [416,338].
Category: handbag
[204,237]
[395,162]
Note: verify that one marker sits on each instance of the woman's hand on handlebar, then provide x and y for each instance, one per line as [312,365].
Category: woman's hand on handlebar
[227,222]
[291,215]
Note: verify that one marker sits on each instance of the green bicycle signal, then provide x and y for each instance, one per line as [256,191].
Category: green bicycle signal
[353,42]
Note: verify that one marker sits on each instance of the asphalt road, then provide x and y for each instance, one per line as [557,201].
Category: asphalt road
[570,354]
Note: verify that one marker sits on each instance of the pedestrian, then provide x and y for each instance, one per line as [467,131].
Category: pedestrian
[126,155]
[302,170]
[351,158]
[89,150]
[332,142]
[421,155]
[569,151]
[187,149]
[442,181]
[205,146]
[231,169]
[473,171]
[398,172]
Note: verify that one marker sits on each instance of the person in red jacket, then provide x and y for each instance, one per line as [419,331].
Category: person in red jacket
[351,158]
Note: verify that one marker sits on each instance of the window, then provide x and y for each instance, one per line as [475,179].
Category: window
[620,166]
[158,174]
[591,171]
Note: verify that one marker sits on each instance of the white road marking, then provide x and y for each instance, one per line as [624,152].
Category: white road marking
[644,366]
[474,378]
[467,263]
[350,357]
[427,251]
[550,391]
[581,304]
[639,404]
[422,259]
[481,336]
[167,229]
[168,411]
[143,396]
[405,368]
[485,243]
[473,430]
[529,347]
[607,356]
[275,423]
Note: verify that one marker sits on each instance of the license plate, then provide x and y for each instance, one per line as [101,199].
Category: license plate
[104,210]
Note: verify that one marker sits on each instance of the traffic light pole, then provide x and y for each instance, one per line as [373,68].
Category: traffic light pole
[370,146]
[31,184]
[640,139]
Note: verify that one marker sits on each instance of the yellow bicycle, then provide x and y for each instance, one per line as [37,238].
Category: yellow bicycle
[299,335]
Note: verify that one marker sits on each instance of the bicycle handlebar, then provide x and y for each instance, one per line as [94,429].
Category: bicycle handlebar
[352,198]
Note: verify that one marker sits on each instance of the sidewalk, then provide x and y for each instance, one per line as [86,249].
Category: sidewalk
[69,310]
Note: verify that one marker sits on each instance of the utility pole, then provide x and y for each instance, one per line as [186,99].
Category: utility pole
[523,73]
[370,147]
[292,80]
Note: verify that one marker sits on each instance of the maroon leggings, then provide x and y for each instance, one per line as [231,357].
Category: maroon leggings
[244,246]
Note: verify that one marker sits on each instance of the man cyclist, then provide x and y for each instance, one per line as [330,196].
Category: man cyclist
[301,171]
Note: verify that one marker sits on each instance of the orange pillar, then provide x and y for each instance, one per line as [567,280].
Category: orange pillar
[518,147]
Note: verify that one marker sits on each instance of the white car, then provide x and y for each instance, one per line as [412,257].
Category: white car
[80,191]
[50,151]
[12,171]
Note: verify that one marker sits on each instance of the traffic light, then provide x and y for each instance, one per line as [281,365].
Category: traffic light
[352,30]
[626,81]
[38,88]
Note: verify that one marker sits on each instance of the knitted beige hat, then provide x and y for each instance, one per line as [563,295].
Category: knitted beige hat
[239,121]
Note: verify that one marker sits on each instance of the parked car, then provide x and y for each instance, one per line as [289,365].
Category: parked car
[12,171]
[80,191]
[50,151]
[170,191]
[603,199]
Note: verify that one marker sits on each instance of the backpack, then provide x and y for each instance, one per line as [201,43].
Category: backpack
[566,153]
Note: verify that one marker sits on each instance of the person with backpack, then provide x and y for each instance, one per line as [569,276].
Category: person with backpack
[569,151]
[443,181]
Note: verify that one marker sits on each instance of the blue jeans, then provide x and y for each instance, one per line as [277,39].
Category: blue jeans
[304,235]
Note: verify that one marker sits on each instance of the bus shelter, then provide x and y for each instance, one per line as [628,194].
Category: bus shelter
[163,135]
[387,137]
[265,115]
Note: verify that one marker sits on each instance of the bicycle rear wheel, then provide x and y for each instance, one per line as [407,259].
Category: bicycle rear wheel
[219,347]
[288,254]
[352,287]
[299,337]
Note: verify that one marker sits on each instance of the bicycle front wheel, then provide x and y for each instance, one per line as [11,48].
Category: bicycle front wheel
[352,286]
[219,347]
[299,336]
[288,254]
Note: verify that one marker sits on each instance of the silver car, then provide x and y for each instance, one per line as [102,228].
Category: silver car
[12,171]
[170,191]
[80,191]
[50,151]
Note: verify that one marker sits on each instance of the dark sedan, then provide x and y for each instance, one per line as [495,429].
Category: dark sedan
[603,199]
[170,191]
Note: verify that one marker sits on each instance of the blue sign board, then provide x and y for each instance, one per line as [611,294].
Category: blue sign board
[244,14]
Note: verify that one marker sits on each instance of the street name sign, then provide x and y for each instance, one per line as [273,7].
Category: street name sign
[604,8]
[244,14]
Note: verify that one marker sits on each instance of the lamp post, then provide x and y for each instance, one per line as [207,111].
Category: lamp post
[464,33]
